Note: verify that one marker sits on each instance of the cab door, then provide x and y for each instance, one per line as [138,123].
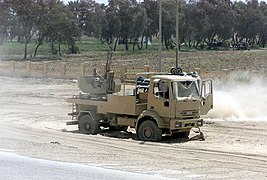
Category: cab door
[206,97]
[159,97]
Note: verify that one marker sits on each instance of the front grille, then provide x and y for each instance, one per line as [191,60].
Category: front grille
[189,113]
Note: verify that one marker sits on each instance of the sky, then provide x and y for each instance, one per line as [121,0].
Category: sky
[102,1]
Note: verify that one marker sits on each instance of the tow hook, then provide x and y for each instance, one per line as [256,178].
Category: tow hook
[199,136]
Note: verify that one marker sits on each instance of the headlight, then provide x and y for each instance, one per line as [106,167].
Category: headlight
[178,124]
[200,123]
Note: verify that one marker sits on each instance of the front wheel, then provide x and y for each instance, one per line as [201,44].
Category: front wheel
[149,131]
[87,125]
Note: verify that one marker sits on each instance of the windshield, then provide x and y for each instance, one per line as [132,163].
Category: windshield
[185,89]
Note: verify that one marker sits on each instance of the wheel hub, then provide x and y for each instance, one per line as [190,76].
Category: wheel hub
[87,126]
[148,132]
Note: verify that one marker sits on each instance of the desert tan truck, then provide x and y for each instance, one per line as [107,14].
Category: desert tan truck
[163,104]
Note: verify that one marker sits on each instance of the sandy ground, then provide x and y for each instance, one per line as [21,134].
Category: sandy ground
[34,112]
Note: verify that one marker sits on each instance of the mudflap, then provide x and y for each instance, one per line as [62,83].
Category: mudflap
[200,136]
[72,123]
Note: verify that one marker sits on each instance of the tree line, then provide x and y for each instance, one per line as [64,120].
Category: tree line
[132,23]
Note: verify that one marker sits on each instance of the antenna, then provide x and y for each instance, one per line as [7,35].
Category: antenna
[177,32]
[160,35]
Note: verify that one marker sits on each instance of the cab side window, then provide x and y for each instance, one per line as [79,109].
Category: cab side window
[161,89]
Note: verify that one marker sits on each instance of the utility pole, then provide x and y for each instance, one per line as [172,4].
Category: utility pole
[177,32]
[160,35]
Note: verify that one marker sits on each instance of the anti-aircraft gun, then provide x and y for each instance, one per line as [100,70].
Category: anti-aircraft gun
[98,86]
[167,103]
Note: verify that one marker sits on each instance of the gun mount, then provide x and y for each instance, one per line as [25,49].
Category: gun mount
[97,85]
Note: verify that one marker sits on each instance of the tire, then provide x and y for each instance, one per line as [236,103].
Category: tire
[177,71]
[149,131]
[87,125]
[173,70]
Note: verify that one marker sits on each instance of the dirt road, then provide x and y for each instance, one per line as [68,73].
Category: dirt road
[34,113]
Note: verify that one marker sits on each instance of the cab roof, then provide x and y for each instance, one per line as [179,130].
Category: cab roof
[172,77]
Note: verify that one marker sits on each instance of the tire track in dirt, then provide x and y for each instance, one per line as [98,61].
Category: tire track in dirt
[149,150]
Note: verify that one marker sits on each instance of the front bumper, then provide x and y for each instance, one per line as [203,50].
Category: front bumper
[185,124]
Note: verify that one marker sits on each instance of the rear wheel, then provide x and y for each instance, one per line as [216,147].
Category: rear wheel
[88,125]
[149,131]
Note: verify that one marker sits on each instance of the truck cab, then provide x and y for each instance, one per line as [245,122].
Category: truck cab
[176,102]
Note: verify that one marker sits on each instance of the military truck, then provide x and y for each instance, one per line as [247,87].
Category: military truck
[156,104]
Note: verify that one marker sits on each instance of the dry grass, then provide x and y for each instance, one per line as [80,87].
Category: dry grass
[209,60]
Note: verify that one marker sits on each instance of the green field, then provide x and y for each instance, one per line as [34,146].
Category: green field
[93,50]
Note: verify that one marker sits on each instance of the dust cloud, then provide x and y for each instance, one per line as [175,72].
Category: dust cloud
[242,98]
